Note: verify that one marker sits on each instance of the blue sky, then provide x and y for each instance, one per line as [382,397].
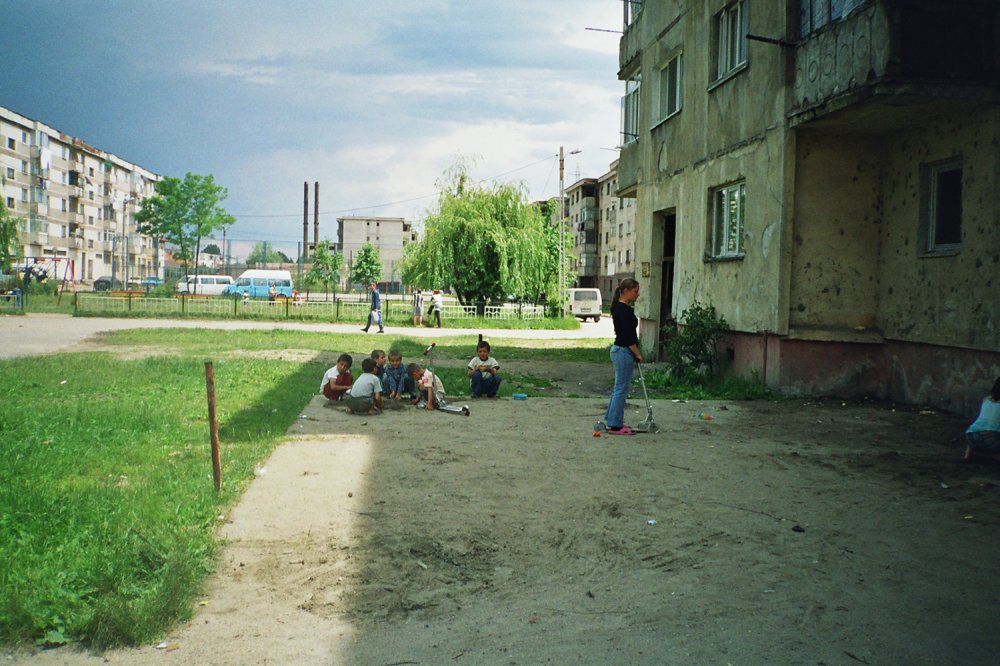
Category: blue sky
[375,100]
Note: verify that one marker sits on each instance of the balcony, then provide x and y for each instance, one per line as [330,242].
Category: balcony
[910,53]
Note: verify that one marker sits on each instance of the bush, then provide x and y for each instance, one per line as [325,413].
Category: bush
[691,347]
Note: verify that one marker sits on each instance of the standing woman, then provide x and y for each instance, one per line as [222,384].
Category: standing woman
[624,354]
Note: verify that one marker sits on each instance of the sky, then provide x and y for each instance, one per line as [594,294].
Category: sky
[373,100]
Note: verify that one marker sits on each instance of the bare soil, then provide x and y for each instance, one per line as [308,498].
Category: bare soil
[806,532]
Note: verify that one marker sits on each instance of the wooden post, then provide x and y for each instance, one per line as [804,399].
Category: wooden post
[213,425]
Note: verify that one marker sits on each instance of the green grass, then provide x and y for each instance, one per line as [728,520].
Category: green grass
[108,511]
[107,504]
[208,341]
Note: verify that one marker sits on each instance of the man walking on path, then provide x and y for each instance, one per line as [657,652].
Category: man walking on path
[376,313]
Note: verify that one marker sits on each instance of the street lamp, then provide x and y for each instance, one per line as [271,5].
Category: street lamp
[562,222]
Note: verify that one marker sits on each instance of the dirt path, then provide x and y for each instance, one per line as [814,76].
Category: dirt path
[792,532]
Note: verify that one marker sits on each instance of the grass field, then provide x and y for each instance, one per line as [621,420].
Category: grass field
[107,504]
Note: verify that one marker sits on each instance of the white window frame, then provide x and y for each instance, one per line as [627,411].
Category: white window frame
[671,80]
[932,207]
[728,221]
[630,110]
[731,39]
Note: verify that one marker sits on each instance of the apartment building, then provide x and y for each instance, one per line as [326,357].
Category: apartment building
[387,234]
[582,219]
[616,235]
[77,203]
[824,174]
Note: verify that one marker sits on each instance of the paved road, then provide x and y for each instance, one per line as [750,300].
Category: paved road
[49,333]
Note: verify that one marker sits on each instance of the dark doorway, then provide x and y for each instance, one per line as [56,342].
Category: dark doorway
[669,222]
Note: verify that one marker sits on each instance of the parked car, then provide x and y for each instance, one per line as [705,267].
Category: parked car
[257,283]
[151,281]
[106,283]
[585,303]
[205,285]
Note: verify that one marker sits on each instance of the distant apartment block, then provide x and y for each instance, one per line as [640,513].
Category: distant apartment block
[602,227]
[387,234]
[77,202]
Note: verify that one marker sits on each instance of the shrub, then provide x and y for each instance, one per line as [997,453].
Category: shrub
[691,347]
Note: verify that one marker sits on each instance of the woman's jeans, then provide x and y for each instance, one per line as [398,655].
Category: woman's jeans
[624,362]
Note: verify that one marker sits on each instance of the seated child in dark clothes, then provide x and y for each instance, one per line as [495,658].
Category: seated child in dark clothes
[337,379]
[396,381]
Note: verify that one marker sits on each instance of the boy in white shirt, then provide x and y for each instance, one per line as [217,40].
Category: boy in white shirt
[337,379]
[484,372]
[430,389]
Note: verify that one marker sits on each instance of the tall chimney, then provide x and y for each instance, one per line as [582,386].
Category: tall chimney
[305,220]
[316,215]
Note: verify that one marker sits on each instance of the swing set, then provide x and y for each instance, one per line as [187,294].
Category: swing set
[42,269]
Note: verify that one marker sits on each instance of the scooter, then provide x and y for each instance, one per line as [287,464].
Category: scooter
[442,404]
[647,424]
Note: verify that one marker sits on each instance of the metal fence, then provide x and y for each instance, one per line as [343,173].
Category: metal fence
[186,305]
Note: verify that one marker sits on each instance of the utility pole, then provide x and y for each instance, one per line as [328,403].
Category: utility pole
[305,221]
[316,215]
[562,243]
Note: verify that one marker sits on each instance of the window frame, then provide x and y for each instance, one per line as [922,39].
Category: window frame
[630,108]
[931,209]
[723,243]
[671,84]
[730,53]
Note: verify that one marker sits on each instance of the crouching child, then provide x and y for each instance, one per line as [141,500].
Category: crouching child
[365,396]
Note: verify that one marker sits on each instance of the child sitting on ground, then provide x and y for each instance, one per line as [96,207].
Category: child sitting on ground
[983,436]
[337,379]
[484,372]
[396,380]
[379,357]
[365,396]
[429,386]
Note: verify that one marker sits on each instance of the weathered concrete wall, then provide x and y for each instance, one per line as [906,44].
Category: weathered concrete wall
[727,131]
[835,234]
[949,298]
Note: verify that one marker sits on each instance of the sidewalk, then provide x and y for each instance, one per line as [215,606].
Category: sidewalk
[50,333]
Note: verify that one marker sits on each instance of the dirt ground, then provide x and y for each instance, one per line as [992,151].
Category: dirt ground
[793,532]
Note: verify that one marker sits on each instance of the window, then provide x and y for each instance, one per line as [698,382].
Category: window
[728,204]
[633,8]
[731,38]
[24,167]
[814,14]
[942,183]
[10,202]
[670,88]
[11,143]
[630,110]
[24,195]
[10,172]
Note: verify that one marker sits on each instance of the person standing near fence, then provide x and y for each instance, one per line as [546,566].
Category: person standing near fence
[375,316]
[437,301]
[418,307]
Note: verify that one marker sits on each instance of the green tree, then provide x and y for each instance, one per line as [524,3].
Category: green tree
[484,243]
[326,267]
[273,256]
[183,212]
[367,266]
[9,242]
[212,248]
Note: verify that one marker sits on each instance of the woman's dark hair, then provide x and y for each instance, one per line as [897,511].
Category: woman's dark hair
[995,393]
[627,283]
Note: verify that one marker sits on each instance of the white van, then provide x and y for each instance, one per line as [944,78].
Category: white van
[585,303]
[203,285]
[258,282]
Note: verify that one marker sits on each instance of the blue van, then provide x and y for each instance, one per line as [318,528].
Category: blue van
[257,283]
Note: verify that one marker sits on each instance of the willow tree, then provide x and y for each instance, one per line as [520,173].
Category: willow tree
[483,242]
